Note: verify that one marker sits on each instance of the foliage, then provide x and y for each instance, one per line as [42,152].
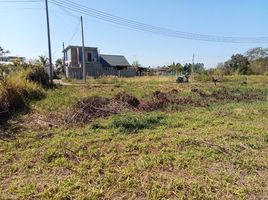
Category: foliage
[15,93]
[38,75]
[203,77]
[258,58]
[255,62]
[257,53]
[3,52]
[237,63]
[176,68]
[136,65]
[215,152]
[259,66]
[59,62]
[43,61]
[187,68]
[129,123]
[199,68]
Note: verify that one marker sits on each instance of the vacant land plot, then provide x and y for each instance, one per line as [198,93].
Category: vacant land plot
[140,138]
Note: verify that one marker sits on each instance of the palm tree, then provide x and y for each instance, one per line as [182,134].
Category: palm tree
[43,60]
[3,52]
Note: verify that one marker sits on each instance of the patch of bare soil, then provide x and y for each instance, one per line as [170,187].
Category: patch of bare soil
[95,107]
[127,100]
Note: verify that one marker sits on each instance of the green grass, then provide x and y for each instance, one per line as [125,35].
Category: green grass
[129,123]
[215,152]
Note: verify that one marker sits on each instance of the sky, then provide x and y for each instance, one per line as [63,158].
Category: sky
[23,28]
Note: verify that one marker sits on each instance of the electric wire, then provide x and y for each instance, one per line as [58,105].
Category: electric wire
[153,29]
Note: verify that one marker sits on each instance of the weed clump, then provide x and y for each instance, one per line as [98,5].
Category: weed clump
[130,123]
[38,75]
[15,93]
[95,107]
[127,99]
[90,108]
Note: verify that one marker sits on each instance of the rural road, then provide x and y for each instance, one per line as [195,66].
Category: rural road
[60,82]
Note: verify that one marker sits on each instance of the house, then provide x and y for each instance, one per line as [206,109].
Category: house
[162,71]
[11,59]
[96,64]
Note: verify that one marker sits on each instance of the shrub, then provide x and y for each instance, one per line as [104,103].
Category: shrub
[202,77]
[38,75]
[129,123]
[15,93]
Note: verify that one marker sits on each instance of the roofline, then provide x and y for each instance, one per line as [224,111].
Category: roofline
[77,46]
[111,55]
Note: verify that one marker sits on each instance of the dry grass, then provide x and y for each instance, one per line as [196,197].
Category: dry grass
[15,93]
[215,152]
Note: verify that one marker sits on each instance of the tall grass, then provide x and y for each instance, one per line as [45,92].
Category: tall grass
[15,94]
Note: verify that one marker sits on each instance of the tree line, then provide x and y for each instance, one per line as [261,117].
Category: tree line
[254,61]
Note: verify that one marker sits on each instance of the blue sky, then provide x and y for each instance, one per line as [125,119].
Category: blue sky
[23,28]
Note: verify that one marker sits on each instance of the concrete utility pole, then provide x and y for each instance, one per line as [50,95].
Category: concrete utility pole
[193,67]
[49,46]
[63,61]
[83,51]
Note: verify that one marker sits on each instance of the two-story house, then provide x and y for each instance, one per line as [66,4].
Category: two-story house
[96,64]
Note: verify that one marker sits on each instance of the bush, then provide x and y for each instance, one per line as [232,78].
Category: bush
[38,75]
[202,77]
[129,123]
[15,93]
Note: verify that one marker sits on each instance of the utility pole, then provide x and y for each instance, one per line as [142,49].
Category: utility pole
[49,46]
[193,67]
[83,51]
[63,61]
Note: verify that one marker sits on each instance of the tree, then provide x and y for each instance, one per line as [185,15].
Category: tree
[43,60]
[237,63]
[258,58]
[259,66]
[59,62]
[59,66]
[257,53]
[175,68]
[199,68]
[136,65]
[187,68]
[3,52]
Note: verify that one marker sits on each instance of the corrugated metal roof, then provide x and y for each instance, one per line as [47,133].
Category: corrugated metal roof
[114,60]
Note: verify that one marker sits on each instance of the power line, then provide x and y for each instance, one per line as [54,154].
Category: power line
[75,7]
[22,1]
[22,8]
[74,34]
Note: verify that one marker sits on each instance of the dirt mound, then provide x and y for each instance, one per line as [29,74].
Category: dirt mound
[151,105]
[93,107]
[127,99]
[162,96]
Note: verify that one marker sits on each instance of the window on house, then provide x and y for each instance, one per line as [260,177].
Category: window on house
[89,57]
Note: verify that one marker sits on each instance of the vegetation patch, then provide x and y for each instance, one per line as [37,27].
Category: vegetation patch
[95,107]
[129,123]
[15,93]
[38,75]
[192,152]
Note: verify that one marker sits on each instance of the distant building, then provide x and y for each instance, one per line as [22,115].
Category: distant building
[96,64]
[162,71]
[12,59]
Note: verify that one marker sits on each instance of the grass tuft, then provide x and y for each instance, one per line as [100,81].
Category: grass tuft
[130,123]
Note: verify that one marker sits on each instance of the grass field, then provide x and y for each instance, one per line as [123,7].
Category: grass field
[216,149]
